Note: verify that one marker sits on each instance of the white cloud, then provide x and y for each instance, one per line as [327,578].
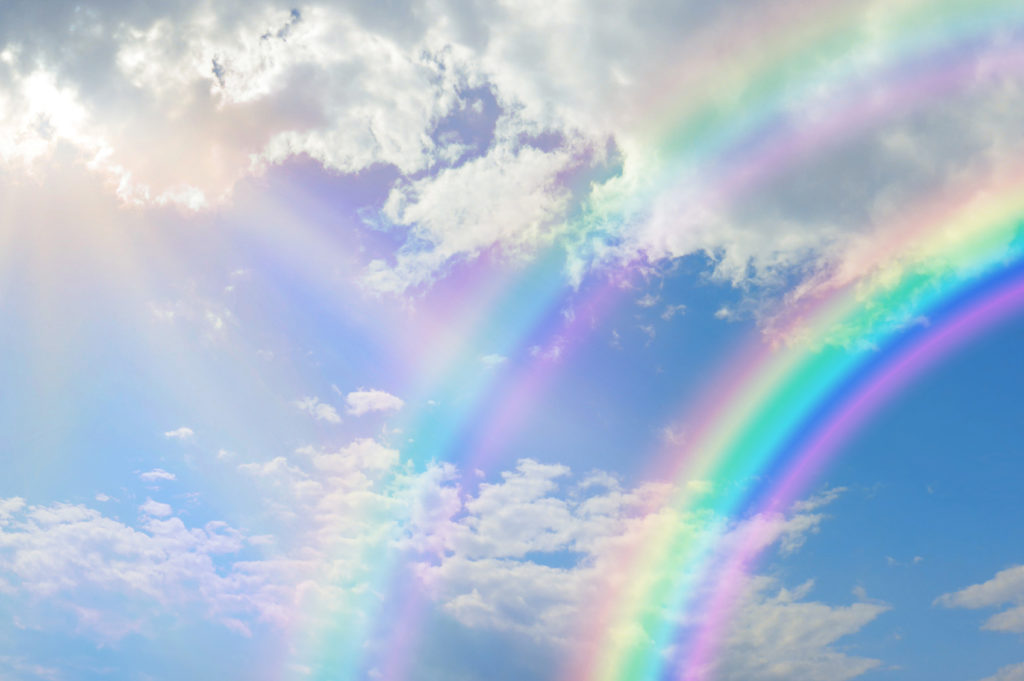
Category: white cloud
[671,311]
[156,474]
[507,198]
[486,578]
[364,456]
[201,313]
[21,665]
[648,300]
[177,103]
[363,401]
[10,506]
[493,360]
[776,634]
[1005,588]
[336,513]
[321,411]
[71,557]
[819,500]
[1013,672]
[275,467]
[215,94]
[156,509]
[183,433]
[726,313]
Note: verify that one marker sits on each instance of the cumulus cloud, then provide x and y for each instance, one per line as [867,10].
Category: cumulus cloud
[65,556]
[176,103]
[114,579]
[363,401]
[321,411]
[362,456]
[507,198]
[492,574]
[156,509]
[524,556]
[216,94]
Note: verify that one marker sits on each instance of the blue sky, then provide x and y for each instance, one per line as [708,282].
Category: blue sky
[351,341]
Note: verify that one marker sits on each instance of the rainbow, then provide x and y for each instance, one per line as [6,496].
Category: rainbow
[792,406]
[771,414]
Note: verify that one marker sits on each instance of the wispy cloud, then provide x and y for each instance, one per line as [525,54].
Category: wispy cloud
[321,411]
[156,474]
[183,433]
[671,311]
[1012,672]
[1005,588]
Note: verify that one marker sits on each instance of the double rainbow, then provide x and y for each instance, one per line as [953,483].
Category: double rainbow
[945,270]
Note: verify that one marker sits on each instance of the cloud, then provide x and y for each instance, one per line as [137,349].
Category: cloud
[183,433]
[493,360]
[522,557]
[648,300]
[364,456]
[1013,672]
[156,509]
[21,665]
[321,411]
[776,634]
[201,313]
[493,575]
[362,402]
[114,579]
[226,86]
[818,500]
[177,103]
[508,198]
[727,313]
[1005,588]
[671,311]
[156,474]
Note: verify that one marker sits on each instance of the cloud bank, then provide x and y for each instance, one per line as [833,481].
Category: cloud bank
[501,130]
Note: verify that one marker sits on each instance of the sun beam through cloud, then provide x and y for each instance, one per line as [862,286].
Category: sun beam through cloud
[559,341]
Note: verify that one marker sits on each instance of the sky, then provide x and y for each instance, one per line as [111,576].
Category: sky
[448,340]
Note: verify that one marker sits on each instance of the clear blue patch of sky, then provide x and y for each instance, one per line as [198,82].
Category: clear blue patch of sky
[936,473]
